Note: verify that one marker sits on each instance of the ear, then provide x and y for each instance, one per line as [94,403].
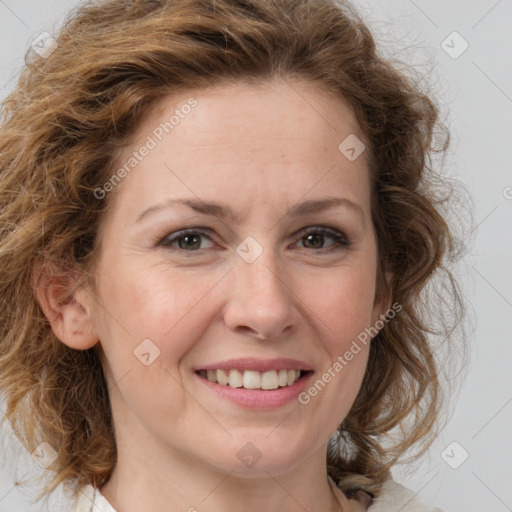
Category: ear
[383,299]
[67,311]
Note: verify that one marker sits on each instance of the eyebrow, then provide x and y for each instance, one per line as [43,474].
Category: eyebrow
[223,211]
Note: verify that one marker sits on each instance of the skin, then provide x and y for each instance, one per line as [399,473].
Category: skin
[260,151]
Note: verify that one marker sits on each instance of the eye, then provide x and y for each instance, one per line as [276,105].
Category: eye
[187,240]
[315,238]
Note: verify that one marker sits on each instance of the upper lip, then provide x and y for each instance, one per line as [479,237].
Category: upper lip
[258,365]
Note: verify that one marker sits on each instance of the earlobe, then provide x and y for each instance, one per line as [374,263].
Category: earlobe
[67,313]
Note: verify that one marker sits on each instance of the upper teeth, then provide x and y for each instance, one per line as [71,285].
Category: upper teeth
[250,379]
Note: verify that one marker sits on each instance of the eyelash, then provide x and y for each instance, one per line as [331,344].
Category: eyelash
[341,241]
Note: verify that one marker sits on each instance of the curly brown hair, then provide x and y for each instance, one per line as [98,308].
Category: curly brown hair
[60,131]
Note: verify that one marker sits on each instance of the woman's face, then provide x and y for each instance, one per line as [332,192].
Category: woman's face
[276,273]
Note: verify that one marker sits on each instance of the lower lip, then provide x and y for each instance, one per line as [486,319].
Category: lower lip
[258,398]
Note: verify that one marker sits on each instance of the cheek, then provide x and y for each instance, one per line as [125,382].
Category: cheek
[171,308]
[341,305]
[342,313]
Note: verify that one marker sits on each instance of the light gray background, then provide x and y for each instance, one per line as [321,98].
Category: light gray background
[476,89]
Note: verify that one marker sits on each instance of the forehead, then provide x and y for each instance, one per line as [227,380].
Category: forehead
[276,140]
[252,112]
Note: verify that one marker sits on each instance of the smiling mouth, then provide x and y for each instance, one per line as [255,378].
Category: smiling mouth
[250,379]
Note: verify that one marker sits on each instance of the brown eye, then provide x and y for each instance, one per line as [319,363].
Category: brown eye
[316,238]
[189,242]
[313,241]
[186,240]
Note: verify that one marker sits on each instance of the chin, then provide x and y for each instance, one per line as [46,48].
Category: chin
[259,455]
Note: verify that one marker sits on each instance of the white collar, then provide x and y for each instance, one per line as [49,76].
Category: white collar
[393,498]
[91,500]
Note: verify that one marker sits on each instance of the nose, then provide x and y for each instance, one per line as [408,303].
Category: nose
[261,302]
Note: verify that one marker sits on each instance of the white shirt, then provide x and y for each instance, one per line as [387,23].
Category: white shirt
[393,498]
